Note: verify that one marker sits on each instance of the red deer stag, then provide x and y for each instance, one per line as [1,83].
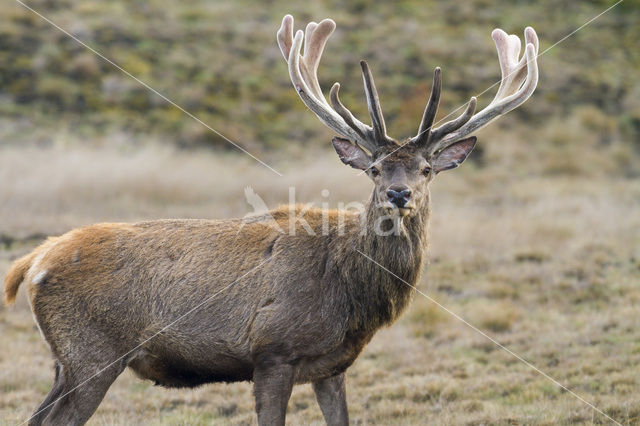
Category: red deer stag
[187,302]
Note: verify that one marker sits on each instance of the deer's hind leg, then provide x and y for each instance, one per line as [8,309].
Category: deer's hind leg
[82,389]
[88,362]
[45,408]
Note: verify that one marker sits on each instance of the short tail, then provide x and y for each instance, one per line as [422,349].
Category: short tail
[15,276]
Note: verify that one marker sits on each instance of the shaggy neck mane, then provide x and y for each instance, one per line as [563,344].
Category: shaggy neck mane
[399,257]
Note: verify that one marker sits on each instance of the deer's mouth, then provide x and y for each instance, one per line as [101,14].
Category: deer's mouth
[393,210]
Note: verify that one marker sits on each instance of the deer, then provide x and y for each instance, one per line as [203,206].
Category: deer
[188,302]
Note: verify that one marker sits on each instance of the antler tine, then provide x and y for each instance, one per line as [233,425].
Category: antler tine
[373,102]
[316,36]
[429,115]
[285,36]
[334,97]
[519,80]
[324,113]
[513,71]
[303,71]
[456,123]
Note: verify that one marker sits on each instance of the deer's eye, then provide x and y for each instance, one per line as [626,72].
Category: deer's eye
[426,171]
[375,171]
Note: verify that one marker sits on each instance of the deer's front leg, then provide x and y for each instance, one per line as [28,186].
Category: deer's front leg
[332,397]
[272,386]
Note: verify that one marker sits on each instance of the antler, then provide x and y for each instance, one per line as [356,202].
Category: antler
[519,80]
[303,71]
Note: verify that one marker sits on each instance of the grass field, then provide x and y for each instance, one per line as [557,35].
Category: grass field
[548,265]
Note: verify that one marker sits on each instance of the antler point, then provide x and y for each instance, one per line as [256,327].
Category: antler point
[531,49]
[328,21]
[498,32]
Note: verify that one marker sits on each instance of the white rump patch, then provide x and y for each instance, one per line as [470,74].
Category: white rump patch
[35,265]
[40,276]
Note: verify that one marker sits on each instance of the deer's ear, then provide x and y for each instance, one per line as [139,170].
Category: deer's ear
[453,155]
[351,154]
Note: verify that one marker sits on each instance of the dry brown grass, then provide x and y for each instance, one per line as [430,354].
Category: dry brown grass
[549,266]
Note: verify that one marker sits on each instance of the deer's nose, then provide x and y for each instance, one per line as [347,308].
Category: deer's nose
[399,196]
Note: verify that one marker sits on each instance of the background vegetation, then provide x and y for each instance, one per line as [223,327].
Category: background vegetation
[536,240]
[219,60]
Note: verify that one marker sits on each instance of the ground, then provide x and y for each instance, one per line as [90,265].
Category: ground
[547,265]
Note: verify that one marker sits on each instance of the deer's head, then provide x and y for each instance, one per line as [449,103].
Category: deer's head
[401,172]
